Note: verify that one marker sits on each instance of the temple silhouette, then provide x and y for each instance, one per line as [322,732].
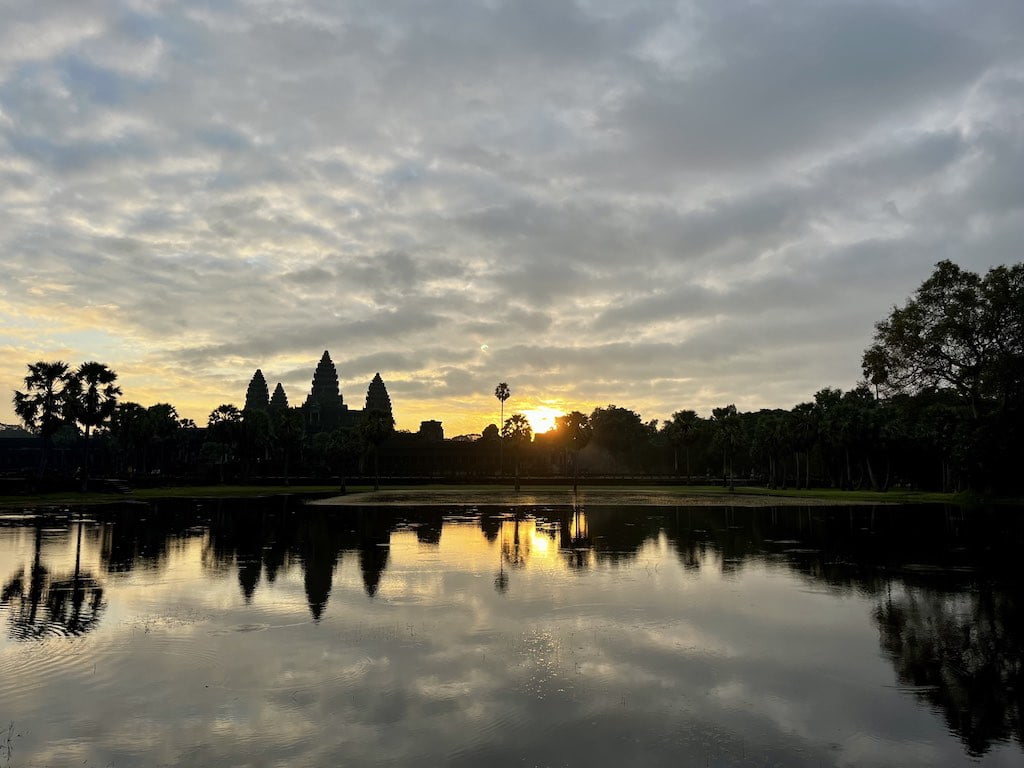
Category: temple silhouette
[325,408]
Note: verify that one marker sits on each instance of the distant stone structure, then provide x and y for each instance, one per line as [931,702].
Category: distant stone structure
[324,409]
[431,431]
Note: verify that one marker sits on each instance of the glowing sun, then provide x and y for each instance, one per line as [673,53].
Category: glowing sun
[542,418]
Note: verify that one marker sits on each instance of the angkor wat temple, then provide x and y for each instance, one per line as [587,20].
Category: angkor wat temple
[325,408]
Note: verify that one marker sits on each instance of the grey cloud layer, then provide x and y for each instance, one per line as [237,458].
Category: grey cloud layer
[630,192]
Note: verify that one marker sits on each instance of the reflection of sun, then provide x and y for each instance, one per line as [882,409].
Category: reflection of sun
[542,418]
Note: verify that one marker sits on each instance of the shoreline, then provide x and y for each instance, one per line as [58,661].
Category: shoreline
[504,495]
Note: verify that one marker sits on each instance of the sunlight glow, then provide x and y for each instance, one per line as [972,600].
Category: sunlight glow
[542,418]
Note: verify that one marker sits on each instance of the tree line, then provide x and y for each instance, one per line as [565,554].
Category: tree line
[940,407]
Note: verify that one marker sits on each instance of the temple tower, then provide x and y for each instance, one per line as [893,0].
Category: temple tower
[279,400]
[325,390]
[377,398]
[325,408]
[257,398]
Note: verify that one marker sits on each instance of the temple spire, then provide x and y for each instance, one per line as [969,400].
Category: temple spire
[377,398]
[257,398]
[279,400]
[325,389]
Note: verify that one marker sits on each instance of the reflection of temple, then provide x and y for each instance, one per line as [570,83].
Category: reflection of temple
[324,408]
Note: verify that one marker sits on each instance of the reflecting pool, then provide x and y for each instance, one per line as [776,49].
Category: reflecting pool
[268,633]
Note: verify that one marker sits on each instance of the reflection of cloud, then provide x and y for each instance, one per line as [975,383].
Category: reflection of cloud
[227,187]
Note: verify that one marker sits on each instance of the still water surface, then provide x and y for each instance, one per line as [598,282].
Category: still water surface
[265,633]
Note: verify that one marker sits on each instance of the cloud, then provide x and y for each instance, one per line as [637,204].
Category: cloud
[224,186]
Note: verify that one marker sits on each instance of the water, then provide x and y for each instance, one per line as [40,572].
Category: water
[263,633]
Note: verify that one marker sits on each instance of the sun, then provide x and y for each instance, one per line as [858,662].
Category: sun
[542,418]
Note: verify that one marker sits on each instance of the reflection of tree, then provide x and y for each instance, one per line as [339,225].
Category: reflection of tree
[963,656]
[575,541]
[73,603]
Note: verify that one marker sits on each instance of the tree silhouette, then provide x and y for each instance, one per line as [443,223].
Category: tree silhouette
[503,393]
[727,433]
[224,428]
[518,432]
[286,428]
[678,431]
[92,398]
[373,430]
[43,406]
[575,428]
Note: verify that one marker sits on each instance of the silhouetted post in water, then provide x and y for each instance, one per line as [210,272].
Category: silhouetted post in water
[517,430]
[503,393]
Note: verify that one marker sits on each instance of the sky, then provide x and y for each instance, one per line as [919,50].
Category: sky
[661,205]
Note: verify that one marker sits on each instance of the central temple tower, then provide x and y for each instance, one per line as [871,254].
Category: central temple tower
[325,407]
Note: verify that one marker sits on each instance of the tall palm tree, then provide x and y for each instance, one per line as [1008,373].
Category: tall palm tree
[92,399]
[503,393]
[43,406]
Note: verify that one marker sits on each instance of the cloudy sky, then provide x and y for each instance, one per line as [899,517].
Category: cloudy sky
[661,205]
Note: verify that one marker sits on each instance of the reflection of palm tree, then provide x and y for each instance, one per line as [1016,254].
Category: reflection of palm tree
[24,625]
[517,552]
[73,603]
[82,612]
[501,580]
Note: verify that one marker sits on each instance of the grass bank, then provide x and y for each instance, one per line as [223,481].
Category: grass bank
[183,491]
[482,493]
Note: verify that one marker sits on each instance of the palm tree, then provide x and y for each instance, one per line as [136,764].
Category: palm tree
[517,430]
[503,393]
[92,399]
[43,406]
